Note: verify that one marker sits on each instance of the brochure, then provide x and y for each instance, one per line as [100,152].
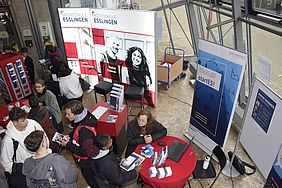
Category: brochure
[130,162]
[58,137]
[112,118]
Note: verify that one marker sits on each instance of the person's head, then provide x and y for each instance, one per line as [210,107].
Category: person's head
[6,48]
[39,85]
[72,109]
[47,42]
[136,57]
[19,118]
[24,51]
[33,101]
[144,118]
[50,49]
[114,44]
[62,69]
[35,141]
[103,141]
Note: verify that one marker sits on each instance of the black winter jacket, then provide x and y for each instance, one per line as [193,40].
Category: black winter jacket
[134,136]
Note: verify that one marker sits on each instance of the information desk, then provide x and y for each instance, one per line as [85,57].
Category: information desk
[180,170]
[115,129]
[4,112]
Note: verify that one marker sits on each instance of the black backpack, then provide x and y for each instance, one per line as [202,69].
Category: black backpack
[16,179]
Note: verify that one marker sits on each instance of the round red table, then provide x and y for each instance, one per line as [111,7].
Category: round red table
[180,170]
[4,112]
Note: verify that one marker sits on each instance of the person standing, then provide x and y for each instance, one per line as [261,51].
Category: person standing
[17,129]
[48,99]
[144,129]
[44,169]
[81,142]
[28,62]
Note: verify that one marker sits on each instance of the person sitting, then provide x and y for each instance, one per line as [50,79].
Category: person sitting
[81,142]
[109,173]
[143,129]
[17,129]
[44,169]
[48,99]
[45,118]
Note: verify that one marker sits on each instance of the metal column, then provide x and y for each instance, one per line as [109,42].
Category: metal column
[53,8]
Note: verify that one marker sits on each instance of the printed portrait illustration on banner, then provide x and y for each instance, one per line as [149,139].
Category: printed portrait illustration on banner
[114,46]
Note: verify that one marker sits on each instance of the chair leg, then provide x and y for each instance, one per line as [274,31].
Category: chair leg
[105,97]
[95,96]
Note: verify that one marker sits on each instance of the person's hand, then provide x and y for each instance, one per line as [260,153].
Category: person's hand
[138,168]
[148,139]
[63,142]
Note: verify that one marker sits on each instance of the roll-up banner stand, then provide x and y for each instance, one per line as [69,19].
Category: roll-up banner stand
[219,75]
[112,45]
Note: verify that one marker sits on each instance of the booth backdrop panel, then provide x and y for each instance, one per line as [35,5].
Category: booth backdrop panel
[219,75]
[262,131]
[89,34]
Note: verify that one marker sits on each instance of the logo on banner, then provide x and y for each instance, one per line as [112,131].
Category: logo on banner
[74,16]
[104,18]
[209,77]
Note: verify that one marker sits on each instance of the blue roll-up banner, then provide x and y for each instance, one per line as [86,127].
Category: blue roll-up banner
[219,76]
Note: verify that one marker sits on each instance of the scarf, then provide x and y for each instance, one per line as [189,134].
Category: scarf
[81,116]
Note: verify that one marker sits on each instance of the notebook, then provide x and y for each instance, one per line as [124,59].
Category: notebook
[176,149]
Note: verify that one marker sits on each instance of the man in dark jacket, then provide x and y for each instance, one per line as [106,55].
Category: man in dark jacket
[81,142]
[28,62]
[45,118]
[108,172]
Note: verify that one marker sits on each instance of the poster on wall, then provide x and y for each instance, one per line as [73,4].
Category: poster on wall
[274,179]
[112,45]
[261,132]
[219,76]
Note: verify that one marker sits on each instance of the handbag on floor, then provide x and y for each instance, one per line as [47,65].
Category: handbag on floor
[16,179]
[84,84]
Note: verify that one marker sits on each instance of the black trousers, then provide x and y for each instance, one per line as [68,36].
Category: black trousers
[89,175]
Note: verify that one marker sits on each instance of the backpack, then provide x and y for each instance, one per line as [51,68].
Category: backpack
[48,123]
[16,179]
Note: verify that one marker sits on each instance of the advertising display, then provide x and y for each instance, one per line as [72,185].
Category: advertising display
[274,179]
[112,45]
[261,132]
[219,75]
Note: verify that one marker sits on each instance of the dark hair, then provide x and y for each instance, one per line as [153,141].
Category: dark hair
[33,101]
[24,50]
[51,49]
[33,140]
[150,118]
[128,60]
[101,140]
[75,106]
[17,113]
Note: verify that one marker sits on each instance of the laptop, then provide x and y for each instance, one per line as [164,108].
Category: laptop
[177,149]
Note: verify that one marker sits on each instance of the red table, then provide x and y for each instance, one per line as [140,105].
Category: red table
[4,112]
[180,170]
[115,129]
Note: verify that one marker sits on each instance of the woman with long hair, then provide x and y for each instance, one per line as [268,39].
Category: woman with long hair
[143,129]
[138,70]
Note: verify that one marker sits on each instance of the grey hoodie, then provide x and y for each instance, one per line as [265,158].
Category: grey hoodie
[52,169]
